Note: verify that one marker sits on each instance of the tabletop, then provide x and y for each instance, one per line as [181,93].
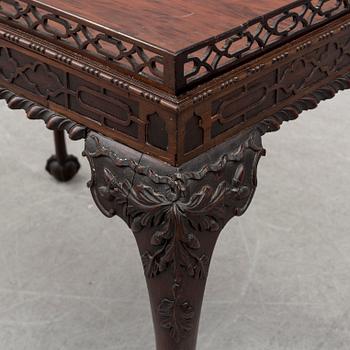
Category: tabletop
[173,44]
[171,25]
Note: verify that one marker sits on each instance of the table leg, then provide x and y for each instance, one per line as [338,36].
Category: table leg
[176,215]
[61,166]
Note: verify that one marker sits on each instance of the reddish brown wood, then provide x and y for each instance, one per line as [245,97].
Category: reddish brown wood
[174,129]
[209,137]
[52,120]
[173,52]
[177,213]
[184,22]
[133,120]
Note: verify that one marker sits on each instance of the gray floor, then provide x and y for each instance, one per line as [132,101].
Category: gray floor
[71,279]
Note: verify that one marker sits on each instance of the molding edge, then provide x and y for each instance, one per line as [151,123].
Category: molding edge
[52,120]
[308,102]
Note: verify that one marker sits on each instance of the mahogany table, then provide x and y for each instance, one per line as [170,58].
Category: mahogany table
[173,98]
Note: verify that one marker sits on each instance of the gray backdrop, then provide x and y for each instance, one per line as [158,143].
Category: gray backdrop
[71,279]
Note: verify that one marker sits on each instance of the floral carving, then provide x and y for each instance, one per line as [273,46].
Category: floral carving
[176,219]
[176,315]
[176,209]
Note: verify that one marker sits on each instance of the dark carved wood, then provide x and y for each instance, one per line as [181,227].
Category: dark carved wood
[225,51]
[205,139]
[109,108]
[280,81]
[174,128]
[286,81]
[70,91]
[61,166]
[52,120]
[309,101]
[227,33]
[176,215]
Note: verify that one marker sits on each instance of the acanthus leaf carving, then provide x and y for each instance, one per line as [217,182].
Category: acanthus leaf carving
[176,315]
[307,102]
[176,210]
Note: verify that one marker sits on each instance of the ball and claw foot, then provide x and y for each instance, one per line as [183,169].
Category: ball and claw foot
[63,171]
[61,166]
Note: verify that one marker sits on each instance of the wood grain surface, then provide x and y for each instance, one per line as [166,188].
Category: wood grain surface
[172,25]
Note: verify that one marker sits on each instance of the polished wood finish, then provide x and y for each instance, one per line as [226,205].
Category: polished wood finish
[174,129]
[176,72]
[157,21]
[173,151]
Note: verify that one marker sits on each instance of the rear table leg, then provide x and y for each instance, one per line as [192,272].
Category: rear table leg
[61,166]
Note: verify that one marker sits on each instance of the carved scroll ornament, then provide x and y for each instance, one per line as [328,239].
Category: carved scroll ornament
[177,209]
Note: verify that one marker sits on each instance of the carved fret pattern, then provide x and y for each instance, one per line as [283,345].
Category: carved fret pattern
[67,90]
[285,82]
[258,35]
[259,95]
[136,57]
[229,106]
[105,107]
[186,67]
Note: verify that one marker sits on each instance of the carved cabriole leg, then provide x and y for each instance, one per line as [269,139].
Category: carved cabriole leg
[61,166]
[176,215]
